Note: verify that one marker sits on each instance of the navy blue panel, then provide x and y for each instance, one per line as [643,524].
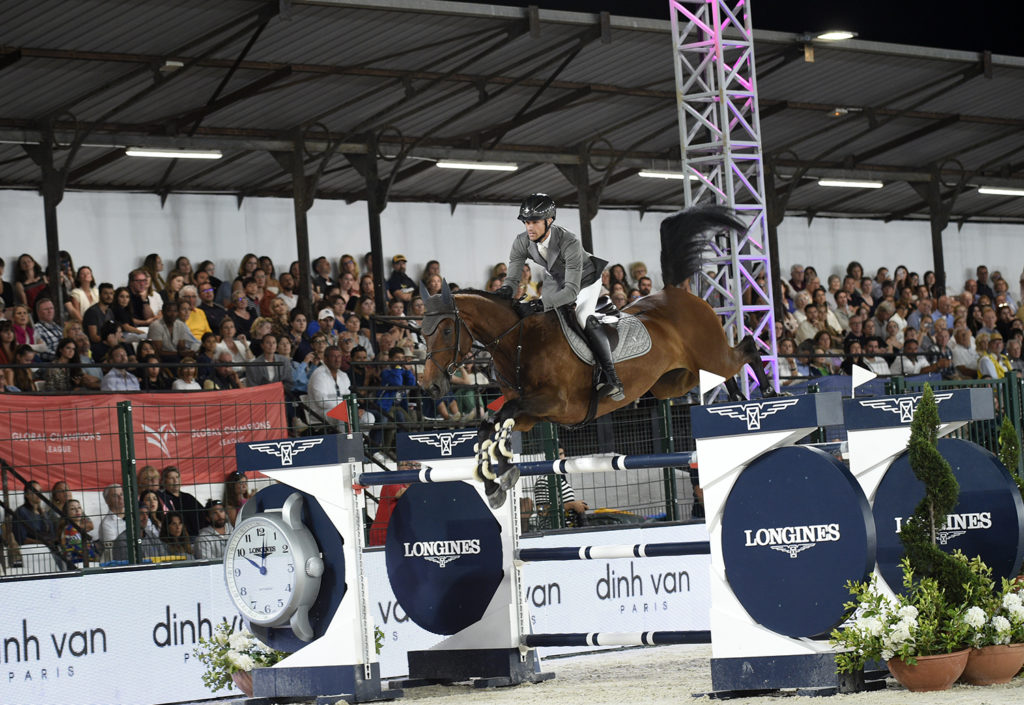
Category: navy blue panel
[443,553]
[973,404]
[441,445]
[772,672]
[796,526]
[775,414]
[436,445]
[988,520]
[311,681]
[299,452]
[332,584]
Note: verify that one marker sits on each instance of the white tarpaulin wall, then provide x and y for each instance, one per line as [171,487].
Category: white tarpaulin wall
[127,637]
[112,232]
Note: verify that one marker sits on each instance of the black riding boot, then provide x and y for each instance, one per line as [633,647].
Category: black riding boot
[610,386]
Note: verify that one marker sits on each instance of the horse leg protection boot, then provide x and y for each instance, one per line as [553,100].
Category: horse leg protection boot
[602,349]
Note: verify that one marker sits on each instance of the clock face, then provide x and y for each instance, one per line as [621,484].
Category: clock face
[261,571]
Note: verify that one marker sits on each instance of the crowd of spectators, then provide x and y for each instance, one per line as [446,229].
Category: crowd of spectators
[903,324]
[172,524]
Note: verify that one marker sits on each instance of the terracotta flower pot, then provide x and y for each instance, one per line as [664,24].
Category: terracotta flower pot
[936,672]
[993,664]
[243,681]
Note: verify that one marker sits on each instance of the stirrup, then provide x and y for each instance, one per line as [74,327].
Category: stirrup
[614,391]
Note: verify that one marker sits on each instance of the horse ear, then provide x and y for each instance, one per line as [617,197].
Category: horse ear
[446,293]
[424,294]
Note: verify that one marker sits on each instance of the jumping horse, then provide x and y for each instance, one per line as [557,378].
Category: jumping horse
[543,380]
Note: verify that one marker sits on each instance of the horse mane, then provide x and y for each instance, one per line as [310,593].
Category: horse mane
[685,234]
[490,296]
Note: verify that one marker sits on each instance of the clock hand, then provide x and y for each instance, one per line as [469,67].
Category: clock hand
[263,555]
[263,571]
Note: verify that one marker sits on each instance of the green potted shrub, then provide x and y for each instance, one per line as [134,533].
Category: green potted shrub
[922,635]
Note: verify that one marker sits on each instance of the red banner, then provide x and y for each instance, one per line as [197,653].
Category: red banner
[75,438]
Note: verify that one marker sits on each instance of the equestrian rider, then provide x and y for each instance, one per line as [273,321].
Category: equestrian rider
[572,276]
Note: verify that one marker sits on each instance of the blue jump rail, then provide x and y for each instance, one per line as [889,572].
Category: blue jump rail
[640,550]
[617,638]
[565,466]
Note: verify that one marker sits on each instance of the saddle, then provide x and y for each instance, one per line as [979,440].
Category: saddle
[626,334]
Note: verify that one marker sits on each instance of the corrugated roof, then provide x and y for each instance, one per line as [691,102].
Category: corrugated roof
[479,81]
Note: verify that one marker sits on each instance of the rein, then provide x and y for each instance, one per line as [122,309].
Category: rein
[458,362]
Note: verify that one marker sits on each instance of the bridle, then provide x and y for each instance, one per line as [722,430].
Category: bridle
[432,320]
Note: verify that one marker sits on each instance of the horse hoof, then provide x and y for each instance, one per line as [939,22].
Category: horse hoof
[508,478]
[496,498]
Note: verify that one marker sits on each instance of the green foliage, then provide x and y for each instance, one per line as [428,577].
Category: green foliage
[993,616]
[1009,451]
[921,622]
[228,651]
[941,491]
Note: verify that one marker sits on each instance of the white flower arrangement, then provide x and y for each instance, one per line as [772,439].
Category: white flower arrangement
[227,652]
[999,621]
[920,622]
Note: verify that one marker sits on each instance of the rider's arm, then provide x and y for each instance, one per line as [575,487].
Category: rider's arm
[516,259]
[572,254]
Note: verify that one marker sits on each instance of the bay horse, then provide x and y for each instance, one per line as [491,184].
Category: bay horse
[540,376]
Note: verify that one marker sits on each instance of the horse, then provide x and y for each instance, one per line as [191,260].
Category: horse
[543,380]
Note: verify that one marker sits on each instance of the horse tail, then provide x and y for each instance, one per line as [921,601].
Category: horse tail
[684,235]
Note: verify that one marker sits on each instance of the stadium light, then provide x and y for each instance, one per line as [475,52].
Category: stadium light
[665,174]
[482,166]
[1000,191]
[849,183]
[174,153]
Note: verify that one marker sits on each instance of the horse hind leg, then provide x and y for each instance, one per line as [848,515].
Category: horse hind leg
[750,355]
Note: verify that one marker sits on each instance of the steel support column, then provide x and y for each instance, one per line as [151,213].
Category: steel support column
[940,206]
[302,200]
[720,139]
[52,189]
[376,202]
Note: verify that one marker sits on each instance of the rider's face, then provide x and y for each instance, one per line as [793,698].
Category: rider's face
[536,229]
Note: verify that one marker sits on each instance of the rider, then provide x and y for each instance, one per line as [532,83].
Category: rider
[572,276]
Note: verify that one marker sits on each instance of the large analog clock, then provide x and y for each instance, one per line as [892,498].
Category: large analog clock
[273,568]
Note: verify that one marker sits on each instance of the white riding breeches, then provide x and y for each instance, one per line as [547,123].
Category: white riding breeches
[586,302]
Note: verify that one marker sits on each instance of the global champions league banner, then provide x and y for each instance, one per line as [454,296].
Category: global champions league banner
[74,437]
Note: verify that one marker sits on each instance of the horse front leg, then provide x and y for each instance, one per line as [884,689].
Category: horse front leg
[493,461]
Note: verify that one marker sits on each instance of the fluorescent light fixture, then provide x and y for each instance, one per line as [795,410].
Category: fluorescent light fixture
[665,174]
[850,183]
[482,166]
[1000,191]
[174,153]
[838,35]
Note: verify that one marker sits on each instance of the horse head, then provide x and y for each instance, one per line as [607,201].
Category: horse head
[446,344]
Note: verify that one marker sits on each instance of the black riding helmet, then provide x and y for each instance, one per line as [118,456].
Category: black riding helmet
[537,206]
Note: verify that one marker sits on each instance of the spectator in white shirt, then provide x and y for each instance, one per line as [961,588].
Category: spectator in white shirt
[328,386]
[112,524]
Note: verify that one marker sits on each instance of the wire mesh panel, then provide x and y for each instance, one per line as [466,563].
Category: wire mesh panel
[1006,397]
[615,498]
[78,470]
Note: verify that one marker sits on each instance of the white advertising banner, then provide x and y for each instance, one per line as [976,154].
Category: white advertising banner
[619,595]
[127,637]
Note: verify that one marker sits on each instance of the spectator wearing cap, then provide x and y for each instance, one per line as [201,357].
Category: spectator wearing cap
[325,325]
[212,539]
[400,285]
[993,364]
